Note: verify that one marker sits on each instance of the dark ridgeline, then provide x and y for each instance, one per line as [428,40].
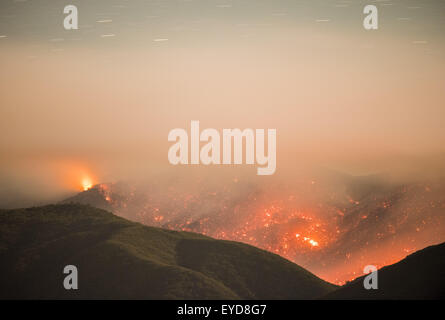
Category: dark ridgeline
[119,259]
[420,275]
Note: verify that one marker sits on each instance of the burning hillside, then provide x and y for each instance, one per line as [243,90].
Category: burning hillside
[332,228]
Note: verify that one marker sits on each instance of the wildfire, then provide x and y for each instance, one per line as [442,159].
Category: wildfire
[312,242]
[87,183]
[313,233]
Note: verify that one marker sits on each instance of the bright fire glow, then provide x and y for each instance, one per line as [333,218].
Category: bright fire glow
[87,184]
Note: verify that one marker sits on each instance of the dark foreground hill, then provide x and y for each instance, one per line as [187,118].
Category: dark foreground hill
[421,275]
[120,259]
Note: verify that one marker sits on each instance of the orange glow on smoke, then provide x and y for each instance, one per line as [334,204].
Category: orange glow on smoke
[64,174]
[76,175]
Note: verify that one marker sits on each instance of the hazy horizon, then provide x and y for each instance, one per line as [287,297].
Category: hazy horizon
[101,100]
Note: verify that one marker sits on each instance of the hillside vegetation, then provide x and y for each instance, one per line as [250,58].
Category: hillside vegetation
[119,259]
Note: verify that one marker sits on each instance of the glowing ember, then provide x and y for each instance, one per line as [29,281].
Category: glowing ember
[313,243]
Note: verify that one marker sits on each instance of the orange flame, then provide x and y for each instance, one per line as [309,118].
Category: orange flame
[87,183]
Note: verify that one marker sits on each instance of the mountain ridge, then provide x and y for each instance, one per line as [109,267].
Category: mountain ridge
[119,259]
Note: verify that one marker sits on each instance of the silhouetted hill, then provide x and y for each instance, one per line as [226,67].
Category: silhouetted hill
[92,197]
[420,275]
[120,259]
